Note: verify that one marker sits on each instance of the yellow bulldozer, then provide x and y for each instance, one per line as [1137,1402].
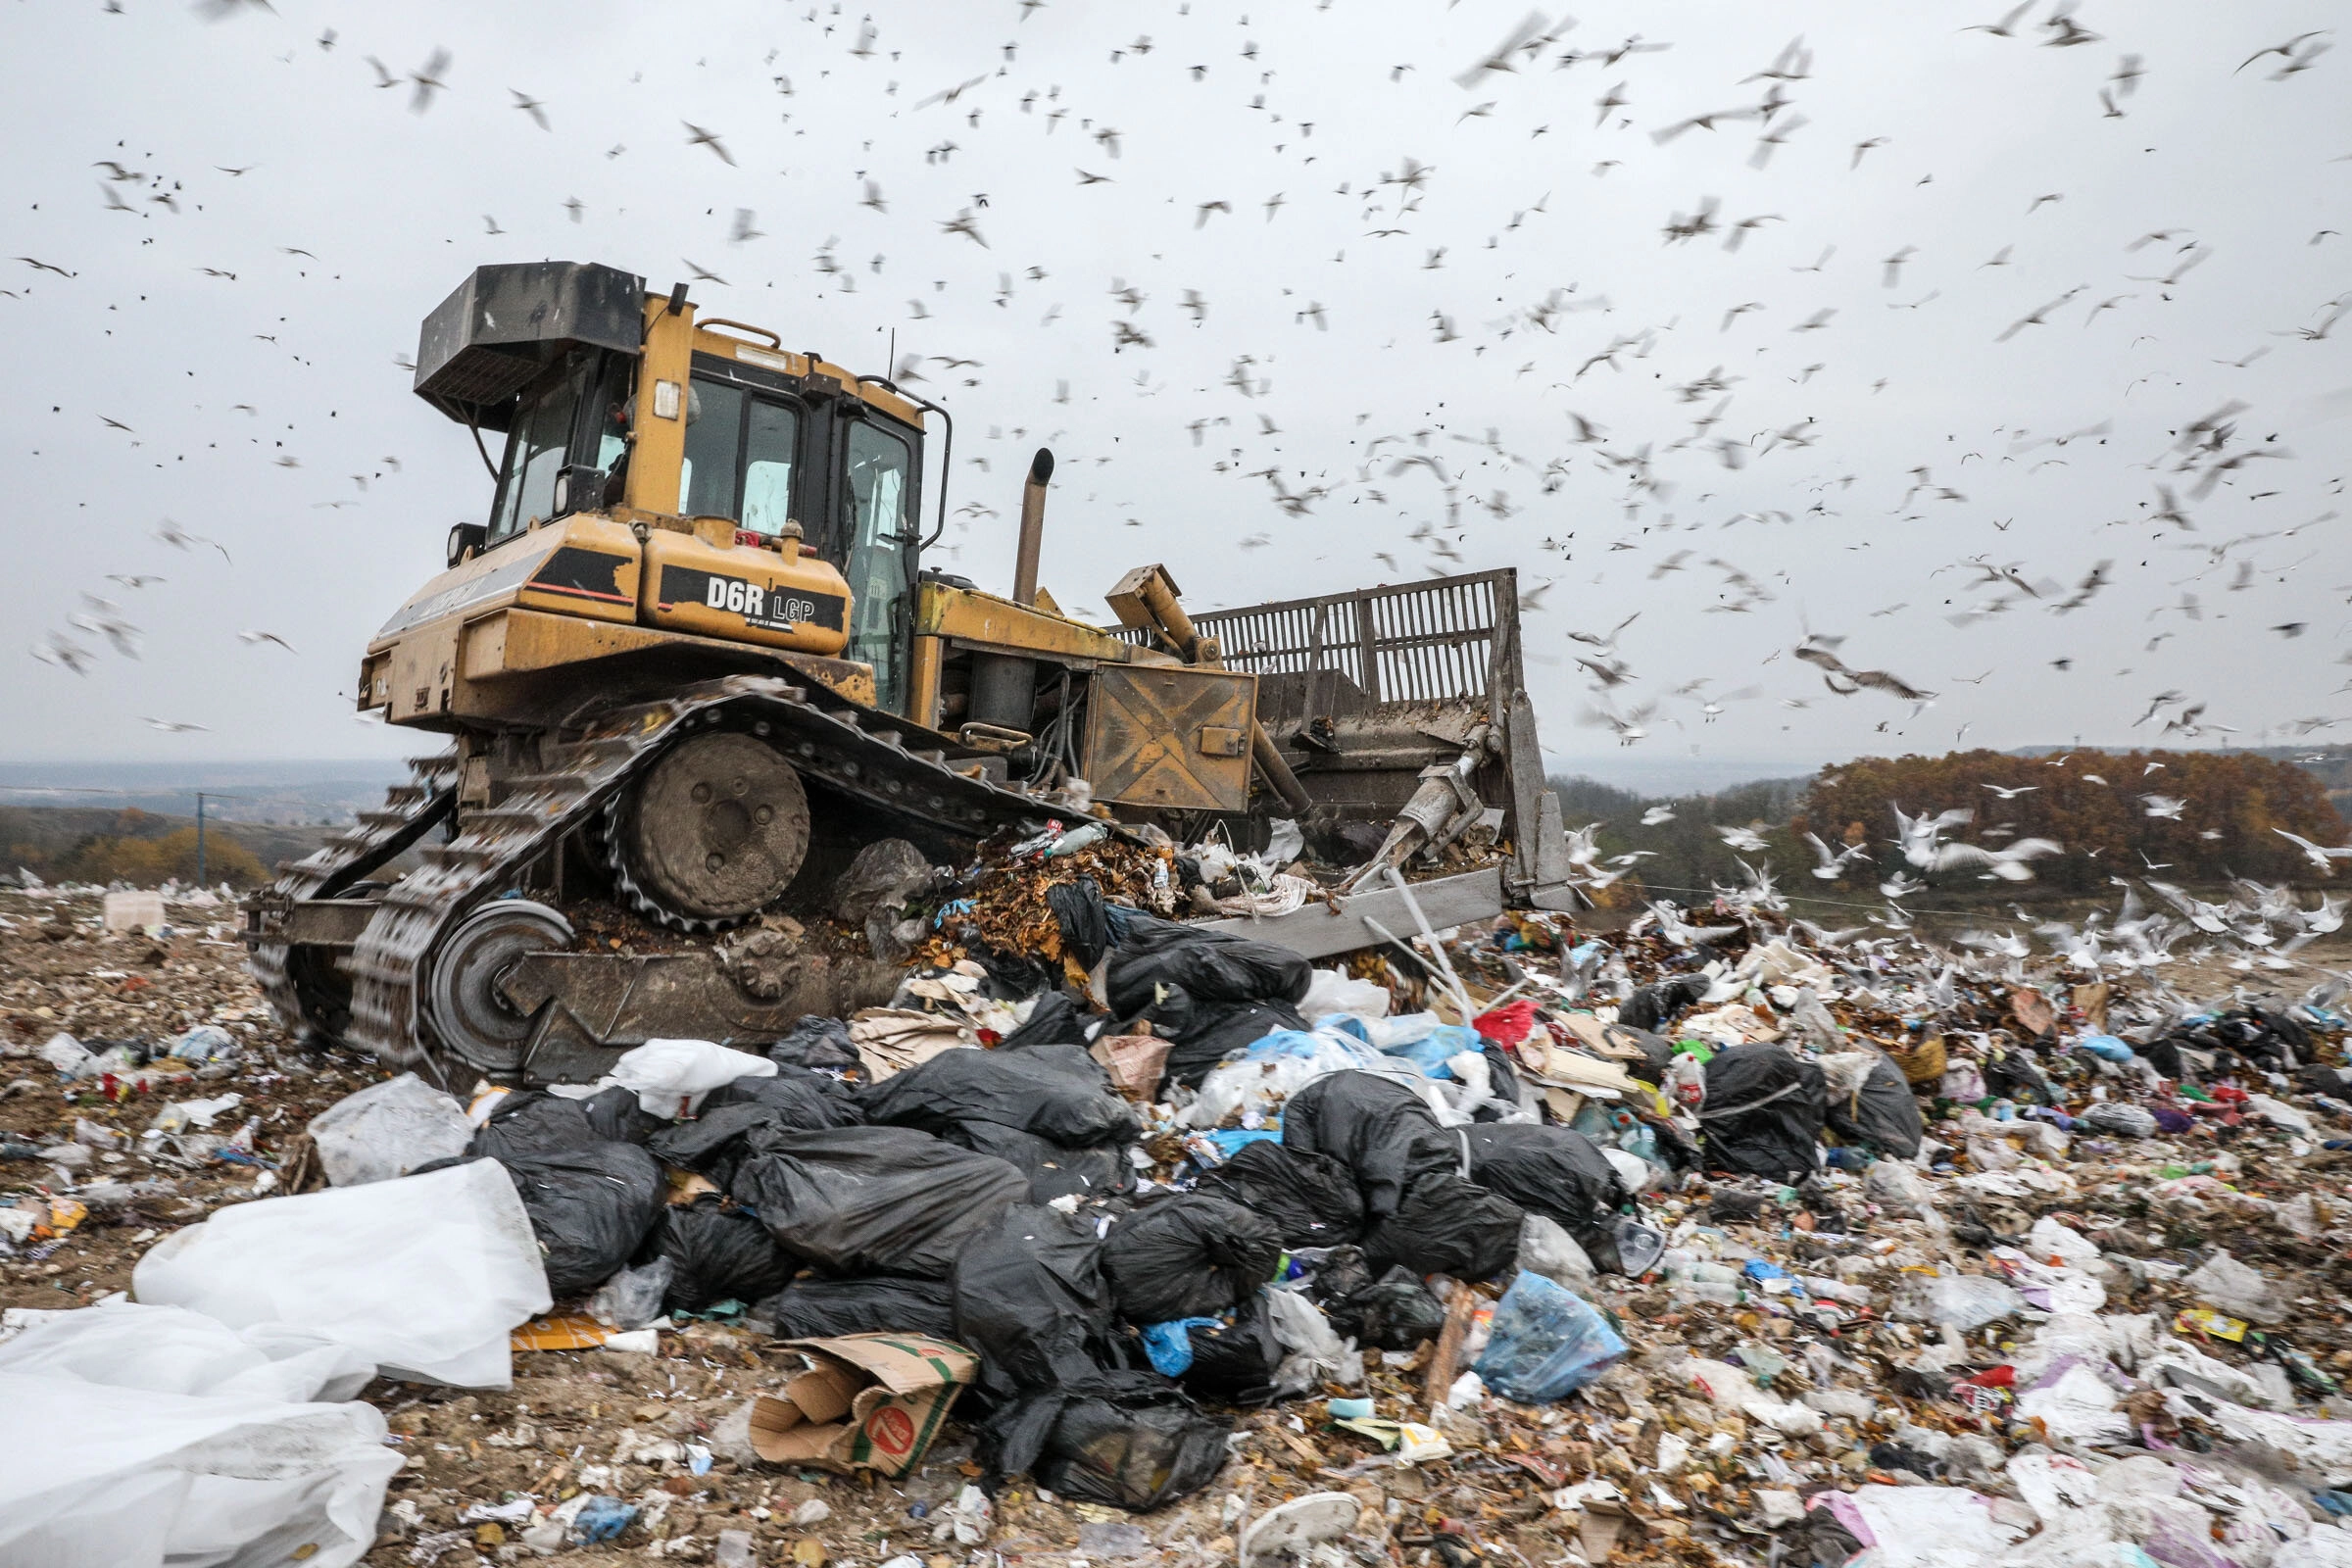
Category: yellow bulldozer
[692,663]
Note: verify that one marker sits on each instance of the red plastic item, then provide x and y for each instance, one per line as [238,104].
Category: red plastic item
[1508,1024]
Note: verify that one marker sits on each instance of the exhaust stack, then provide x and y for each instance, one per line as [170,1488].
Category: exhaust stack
[1033,527]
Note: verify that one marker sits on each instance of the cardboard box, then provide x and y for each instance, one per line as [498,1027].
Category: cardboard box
[868,1401]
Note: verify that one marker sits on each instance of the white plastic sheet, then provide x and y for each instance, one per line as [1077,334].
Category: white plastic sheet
[1331,991]
[426,1275]
[170,1350]
[93,1476]
[388,1130]
[670,1077]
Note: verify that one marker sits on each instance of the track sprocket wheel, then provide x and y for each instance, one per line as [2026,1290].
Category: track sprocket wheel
[711,834]
[463,1002]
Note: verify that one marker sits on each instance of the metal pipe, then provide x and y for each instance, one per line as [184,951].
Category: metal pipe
[1033,527]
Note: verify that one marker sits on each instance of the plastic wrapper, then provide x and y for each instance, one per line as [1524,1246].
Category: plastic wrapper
[1763,1112]
[2223,1282]
[1547,1342]
[1448,1225]
[1057,1093]
[874,1200]
[1124,1440]
[1032,1298]
[1378,1128]
[1329,991]
[716,1253]
[1547,1250]
[1313,1351]
[632,1297]
[670,1077]
[1053,1170]
[1188,1256]
[590,1208]
[425,1276]
[1310,1200]
[1964,1302]
[388,1130]
[823,1310]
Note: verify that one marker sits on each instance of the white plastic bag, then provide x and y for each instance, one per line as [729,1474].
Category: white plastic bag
[93,1476]
[1547,1250]
[1329,991]
[170,1350]
[388,1130]
[1964,1300]
[670,1077]
[426,1275]
[2223,1282]
[1316,1353]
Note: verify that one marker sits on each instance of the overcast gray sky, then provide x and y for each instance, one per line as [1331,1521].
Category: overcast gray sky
[1405,267]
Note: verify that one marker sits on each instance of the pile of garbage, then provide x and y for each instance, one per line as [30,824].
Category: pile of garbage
[1715,1236]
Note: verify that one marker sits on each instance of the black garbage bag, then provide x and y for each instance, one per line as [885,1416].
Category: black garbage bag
[620,1117]
[713,1144]
[1881,1113]
[1078,911]
[1123,1440]
[1657,1052]
[1054,1021]
[1057,1092]
[799,1097]
[1764,1108]
[1209,965]
[1310,1200]
[814,1040]
[1395,1312]
[532,1121]
[2165,1057]
[1190,1255]
[1053,1171]
[1656,1005]
[1377,1128]
[2011,1073]
[1030,1295]
[1550,1170]
[590,1208]
[1206,1033]
[872,1199]
[716,1253]
[1235,1362]
[1449,1225]
[817,1309]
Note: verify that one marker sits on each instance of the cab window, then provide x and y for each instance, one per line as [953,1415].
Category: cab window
[538,444]
[881,482]
[740,450]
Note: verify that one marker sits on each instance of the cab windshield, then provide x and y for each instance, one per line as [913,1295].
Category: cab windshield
[740,450]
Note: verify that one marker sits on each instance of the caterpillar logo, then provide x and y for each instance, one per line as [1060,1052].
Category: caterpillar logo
[779,608]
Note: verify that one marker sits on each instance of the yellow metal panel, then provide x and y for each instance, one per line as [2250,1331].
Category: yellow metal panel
[659,449]
[744,594]
[970,615]
[922,687]
[1170,736]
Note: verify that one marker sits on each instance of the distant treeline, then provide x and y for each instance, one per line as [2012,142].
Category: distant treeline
[76,844]
[2097,805]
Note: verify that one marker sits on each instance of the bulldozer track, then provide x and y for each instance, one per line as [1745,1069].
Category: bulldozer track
[408,811]
[580,768]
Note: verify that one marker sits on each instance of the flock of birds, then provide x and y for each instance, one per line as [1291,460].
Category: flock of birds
[1462,488]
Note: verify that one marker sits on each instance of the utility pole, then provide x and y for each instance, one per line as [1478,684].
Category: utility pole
[201,796]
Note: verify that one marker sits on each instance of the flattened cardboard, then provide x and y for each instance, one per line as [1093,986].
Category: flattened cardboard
[868,1401]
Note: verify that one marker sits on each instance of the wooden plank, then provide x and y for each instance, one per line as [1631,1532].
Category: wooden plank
[1315,931]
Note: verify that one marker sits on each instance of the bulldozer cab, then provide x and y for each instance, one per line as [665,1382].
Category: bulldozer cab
[614,401]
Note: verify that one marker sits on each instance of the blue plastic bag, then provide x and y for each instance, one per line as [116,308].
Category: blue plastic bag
[1547,1343]
[1434,1050]
[2106,1048]
[603,1519]
[1169,1344]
